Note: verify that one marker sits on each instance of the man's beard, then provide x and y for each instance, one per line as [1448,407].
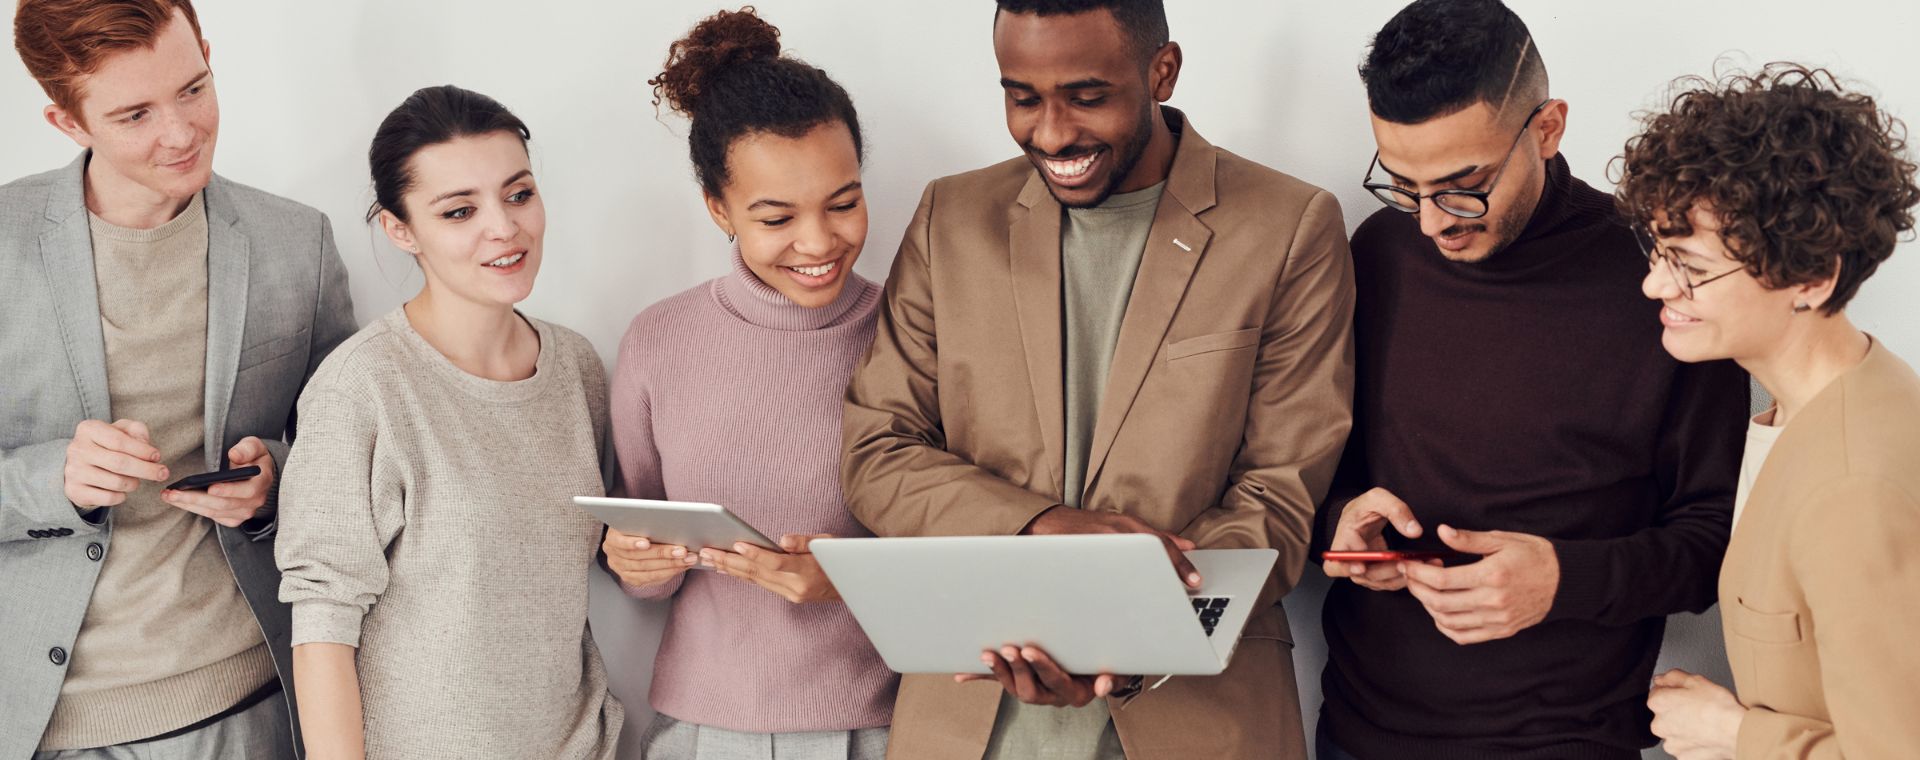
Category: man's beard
[1507,231]
[1127,157]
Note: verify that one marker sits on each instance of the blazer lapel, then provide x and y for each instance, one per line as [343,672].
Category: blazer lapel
[1174,248]
[1033,243]
[66,250]
[227,270]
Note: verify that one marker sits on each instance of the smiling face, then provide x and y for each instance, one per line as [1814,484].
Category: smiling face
[796,205]
[1732,317]
[475,219]
[1465,150]
[1078,102]
[151,118]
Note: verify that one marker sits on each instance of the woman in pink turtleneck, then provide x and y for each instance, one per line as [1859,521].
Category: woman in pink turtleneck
[729,393]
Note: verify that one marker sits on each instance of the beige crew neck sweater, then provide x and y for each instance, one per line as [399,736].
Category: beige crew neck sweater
[167,639]
[426,517]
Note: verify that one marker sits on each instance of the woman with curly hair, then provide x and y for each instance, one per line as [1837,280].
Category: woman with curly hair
[760,660]
[1764,201]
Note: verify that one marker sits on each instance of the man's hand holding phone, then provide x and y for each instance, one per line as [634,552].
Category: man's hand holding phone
[1362,528]
[642,563]
[234,502]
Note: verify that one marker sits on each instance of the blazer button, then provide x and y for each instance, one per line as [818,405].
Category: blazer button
[57,655]
[95,552]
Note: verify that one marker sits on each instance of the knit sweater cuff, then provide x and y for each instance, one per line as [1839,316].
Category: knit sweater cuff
[653,593]
[324,620]
[1582,593]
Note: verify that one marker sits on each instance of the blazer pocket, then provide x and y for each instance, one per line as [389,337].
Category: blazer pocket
[1226,341]
[1763,627]
[261,353]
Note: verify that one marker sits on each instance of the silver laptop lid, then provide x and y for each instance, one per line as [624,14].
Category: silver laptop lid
[1095,603]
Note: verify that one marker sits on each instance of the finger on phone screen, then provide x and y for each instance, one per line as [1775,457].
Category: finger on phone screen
[1398,513]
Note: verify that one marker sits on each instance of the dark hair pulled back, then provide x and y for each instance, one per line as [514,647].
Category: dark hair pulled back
[430,116]
[727,76]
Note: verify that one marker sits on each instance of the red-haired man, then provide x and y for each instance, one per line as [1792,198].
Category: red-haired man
[141,288]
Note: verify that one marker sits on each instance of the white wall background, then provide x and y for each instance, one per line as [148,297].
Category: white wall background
[303,84]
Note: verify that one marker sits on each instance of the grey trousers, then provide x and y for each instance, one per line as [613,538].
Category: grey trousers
[669,739]
[260,732]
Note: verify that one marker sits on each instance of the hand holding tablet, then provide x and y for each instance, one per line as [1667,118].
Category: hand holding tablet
[680,523]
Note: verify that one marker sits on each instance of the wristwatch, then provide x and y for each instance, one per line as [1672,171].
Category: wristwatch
[1131,688]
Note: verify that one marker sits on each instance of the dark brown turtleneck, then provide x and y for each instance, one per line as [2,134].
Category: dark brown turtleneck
[1527,392]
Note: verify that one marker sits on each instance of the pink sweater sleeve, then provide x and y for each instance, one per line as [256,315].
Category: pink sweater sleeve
[633,444]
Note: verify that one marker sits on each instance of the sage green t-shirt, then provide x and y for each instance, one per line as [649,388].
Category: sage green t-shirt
[1100,250]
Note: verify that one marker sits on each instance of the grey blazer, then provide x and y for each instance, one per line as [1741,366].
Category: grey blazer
[277,302]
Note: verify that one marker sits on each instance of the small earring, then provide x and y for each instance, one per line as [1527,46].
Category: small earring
[730,237]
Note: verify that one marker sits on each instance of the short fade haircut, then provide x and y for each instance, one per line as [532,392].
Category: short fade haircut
[1144,22]
[1439,57]
[1807,179]
[64,41]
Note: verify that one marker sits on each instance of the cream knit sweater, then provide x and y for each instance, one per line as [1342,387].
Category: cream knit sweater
[426,518]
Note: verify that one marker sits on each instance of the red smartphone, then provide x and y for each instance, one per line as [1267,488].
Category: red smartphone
[1386,556]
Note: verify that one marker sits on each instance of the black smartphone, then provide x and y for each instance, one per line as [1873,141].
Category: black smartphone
[201,481]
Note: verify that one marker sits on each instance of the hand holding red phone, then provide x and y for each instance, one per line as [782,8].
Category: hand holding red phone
[1362,528]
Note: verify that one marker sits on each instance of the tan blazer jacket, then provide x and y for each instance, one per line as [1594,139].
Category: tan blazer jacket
[1225,410]
[1820,591]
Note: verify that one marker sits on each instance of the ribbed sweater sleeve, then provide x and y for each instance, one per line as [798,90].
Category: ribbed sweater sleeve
[639,458]
[334,530]
[1672,565]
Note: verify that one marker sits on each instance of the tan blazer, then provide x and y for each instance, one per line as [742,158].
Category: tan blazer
[1226,407]
[1820,591]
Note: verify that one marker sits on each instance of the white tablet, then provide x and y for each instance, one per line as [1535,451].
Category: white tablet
[681,523]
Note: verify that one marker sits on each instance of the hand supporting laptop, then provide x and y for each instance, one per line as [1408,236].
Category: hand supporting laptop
[1032,677]
[1028,673]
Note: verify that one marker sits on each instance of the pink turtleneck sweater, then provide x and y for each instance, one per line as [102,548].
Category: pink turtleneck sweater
[730,394]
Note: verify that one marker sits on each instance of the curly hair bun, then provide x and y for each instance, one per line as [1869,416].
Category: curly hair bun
[719,42]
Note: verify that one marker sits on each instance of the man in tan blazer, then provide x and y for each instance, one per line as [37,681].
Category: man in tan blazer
[1022,368]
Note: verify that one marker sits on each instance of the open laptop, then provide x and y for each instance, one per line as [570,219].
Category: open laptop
[1097,603]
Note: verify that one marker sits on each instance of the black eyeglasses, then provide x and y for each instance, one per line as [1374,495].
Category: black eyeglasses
[1682,274]
[1466,204]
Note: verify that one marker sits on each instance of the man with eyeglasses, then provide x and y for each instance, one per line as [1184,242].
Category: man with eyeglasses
[1512,404]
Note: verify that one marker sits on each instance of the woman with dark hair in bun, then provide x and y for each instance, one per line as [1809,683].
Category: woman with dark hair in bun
[436,566]
[760,659]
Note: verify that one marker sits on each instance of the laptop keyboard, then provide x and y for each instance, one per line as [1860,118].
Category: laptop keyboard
[1210,608]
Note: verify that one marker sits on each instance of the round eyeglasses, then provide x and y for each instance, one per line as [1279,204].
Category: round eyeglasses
[1466,204]
[1656,255]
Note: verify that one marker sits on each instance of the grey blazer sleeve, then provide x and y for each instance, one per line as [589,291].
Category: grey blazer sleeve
[33,494]
[333,323]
